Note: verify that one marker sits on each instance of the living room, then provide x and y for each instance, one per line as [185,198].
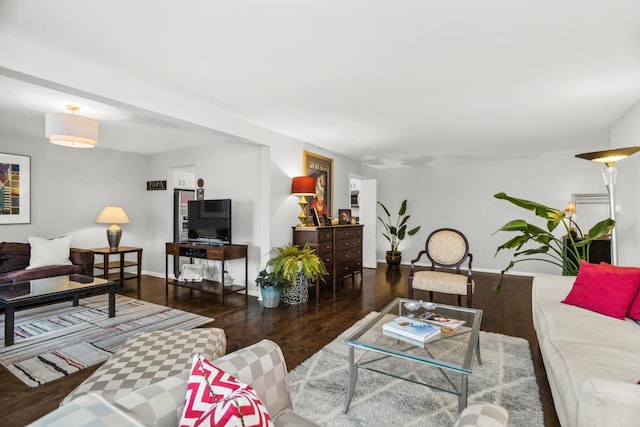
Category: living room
[447,184]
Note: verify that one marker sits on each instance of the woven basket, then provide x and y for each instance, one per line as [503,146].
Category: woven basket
[297,293]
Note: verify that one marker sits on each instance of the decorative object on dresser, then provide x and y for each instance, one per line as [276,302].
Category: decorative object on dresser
[396,232]
[339,248]
[303,186]
[120,264]
[298,266]
[15,178]
[113,215]
[216,252]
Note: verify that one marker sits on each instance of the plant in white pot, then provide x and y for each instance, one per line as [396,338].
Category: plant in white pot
[396,232]
[299,267]
[271,286]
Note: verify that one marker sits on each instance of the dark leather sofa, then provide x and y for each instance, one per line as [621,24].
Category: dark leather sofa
[14,259]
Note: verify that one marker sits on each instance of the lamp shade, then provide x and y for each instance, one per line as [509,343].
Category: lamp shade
[112,215]
[303,186]
[71,130]
[609,157]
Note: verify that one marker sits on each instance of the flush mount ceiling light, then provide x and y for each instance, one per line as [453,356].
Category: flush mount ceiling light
[71,130]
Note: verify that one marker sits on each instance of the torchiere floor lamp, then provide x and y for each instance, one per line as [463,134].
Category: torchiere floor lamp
[609,158]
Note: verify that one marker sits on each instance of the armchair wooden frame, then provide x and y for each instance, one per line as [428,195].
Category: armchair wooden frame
[444,261]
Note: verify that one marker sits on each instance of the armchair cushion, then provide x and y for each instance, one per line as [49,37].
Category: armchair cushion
[438,281]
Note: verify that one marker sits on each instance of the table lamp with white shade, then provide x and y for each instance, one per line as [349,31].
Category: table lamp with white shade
[113,215]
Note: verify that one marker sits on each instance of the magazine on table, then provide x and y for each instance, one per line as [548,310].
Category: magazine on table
[441,321]
[411,328]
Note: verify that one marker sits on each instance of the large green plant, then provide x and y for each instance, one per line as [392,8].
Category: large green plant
[548,247]
[292,258]
[396,232]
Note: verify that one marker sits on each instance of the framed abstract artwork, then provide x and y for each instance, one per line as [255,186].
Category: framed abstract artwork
[15,189]
[321,169]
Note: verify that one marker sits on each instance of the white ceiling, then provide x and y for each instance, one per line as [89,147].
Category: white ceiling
[386,82]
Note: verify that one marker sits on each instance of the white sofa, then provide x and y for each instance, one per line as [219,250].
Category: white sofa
[592,361]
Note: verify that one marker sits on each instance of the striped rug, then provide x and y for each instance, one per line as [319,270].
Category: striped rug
[58,339]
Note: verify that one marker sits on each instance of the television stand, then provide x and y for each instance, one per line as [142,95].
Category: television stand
[221,253]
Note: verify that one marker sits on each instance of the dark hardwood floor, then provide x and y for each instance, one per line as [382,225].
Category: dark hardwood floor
[300,330]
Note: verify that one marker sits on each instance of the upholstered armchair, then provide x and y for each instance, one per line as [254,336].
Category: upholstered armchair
[447,250]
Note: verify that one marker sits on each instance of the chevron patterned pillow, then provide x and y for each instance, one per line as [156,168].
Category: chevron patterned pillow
[215,398]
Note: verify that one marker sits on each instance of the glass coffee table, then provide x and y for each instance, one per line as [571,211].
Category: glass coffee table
[59,288]
[450,352]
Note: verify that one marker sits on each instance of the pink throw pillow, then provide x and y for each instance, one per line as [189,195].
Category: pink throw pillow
[214,398]
[604,290]
[634,309]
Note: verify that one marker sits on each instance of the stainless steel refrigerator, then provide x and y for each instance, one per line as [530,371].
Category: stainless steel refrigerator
[180,222]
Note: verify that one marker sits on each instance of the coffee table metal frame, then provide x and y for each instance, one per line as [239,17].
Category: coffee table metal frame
[417,352]
[20,294]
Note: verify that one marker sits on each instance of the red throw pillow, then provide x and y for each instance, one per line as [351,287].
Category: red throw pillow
[634,309]
[604,290]
[214,398]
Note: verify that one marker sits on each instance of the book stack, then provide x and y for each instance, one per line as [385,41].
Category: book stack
[410,328]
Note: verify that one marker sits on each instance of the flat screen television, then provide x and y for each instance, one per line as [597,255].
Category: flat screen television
[209,221]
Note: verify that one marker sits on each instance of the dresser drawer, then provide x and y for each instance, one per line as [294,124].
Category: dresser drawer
[347,233]
[325,235]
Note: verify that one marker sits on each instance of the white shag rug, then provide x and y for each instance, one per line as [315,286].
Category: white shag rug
[506,377]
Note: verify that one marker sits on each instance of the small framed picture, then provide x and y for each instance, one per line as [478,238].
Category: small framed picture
[316,219]
[344,216]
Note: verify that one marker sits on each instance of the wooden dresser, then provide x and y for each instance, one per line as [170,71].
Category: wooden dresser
[339,247]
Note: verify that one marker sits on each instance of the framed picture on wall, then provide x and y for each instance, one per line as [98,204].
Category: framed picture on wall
[321,169]
[15,189]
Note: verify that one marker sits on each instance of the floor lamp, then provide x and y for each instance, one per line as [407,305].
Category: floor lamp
[609,158]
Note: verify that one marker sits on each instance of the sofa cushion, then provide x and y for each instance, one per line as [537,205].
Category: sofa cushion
[604,290]
[42,272]
[14,256]
[634,309]
[215,398]
[45,252]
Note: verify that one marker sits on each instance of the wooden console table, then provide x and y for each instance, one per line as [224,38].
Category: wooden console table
[221,253]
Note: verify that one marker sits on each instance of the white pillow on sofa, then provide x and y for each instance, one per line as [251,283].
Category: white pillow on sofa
[45,252]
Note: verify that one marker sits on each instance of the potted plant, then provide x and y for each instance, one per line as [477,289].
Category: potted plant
[298,266]
[271,286]
[549,248]
[396,232]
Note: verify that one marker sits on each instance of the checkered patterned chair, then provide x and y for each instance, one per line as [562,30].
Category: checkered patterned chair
[160,403]
[149,357]
[447,249]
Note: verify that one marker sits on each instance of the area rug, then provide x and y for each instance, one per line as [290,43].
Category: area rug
[506,377]
[55,340]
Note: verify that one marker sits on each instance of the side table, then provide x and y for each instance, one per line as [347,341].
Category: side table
[119,263]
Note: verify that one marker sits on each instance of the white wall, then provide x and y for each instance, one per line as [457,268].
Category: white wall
[625,132]
[459,194]
[69,188]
